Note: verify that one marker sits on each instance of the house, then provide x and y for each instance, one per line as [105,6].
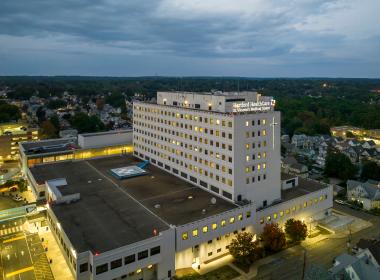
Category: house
[291,166]
[351,153]
[369,144]
[299,140]
[367,193]
[354,267]
[371,248]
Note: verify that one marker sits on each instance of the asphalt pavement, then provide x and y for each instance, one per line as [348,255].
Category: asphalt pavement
[289,264]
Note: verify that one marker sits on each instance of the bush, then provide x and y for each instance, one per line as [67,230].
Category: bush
[273,238]
[244,249]
[296,230]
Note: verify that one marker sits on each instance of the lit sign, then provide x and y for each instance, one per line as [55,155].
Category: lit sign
[250,106]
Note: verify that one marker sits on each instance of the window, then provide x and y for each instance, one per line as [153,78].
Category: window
[142,255]
[129,259]
[101,268]
[195,232]
[185,236]
[232,220]
[83,267]
[214,226]
[219,250]
[205,229]
[116,264]
[223,223]
[209,254]
[240,217]
[248,214]
[246,123]
[209,242]
[155,250]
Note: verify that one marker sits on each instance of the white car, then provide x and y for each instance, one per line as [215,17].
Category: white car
[340,202]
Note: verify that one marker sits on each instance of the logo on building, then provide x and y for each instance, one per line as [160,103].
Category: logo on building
[261,106]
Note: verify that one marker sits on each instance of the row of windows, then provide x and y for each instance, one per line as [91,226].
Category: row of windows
[190,127]
[254,179]
[206,120]
[195,232]
[187,137]
[191,167]
[191,178]
[175,144]
[293,209]
[259,122]
[119,262]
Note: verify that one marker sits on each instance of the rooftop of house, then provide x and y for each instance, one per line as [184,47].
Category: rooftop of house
[134,206]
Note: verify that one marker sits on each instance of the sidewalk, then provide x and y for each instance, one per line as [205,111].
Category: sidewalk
[59,266]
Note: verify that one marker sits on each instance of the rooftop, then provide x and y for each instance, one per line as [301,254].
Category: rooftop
[130,205]
[304,187]
[49,146]
[110,132]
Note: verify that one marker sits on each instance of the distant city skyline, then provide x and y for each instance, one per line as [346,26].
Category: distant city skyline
[247,38]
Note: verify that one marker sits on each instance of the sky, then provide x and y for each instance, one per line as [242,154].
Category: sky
[250,38]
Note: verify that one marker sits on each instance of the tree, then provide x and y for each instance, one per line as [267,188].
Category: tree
[349,134]
[273,237]
[370,170]
[244,249]
[296,230]
[41,114]
[83,123]
[339,165]
[48,130]
[9,112]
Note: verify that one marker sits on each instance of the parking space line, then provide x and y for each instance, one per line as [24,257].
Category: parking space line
[19,271]
[13,239]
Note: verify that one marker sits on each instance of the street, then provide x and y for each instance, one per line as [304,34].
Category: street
[289,264]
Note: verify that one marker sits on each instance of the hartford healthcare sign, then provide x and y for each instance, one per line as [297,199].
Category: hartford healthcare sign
[250,106]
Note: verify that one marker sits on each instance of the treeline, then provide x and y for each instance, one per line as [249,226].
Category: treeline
[309,106]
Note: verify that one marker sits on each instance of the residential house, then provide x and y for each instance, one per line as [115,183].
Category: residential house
[367,193]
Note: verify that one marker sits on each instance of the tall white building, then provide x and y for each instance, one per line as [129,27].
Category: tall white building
[226,142]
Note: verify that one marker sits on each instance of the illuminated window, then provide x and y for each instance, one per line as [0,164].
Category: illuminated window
[214,226]
[246,169]
[275,216]
[246,123]
[240,217]
[269,218]
[195,232]
[305,204]
[205,229]
[287,211]
[184,236]
[223,223]
[232,220]
[261,221]
[264,132]
[248,214]
[247,146]
[281,213]
[264,121]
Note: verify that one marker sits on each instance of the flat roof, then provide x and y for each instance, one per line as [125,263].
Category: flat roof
[304,187]
[112,212]
[49,146]
[117,131]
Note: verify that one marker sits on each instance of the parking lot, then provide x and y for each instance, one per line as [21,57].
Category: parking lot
[23,257]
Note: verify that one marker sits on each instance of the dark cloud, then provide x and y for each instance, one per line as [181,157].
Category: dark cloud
[185,35]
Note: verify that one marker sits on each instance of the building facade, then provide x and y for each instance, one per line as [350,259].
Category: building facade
[227,143]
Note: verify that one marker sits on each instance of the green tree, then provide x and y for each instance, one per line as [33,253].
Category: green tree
[244,249]
[273,237]
[84,123]
[9,112]
[296,230]
[48,130]
[370,170]
[339,165]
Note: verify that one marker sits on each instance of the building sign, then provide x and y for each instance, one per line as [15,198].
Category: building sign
[250,106]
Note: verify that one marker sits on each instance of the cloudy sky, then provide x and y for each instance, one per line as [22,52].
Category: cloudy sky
[254,38]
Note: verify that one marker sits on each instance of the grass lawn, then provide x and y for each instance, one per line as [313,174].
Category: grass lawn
[222,273]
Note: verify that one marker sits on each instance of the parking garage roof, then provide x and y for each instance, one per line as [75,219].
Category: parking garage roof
[113,213]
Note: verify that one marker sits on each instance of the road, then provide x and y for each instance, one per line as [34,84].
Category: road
[289,264]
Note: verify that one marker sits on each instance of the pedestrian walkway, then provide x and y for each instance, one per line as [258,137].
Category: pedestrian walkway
[58,265]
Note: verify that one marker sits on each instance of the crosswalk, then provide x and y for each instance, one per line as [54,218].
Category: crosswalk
[11,230]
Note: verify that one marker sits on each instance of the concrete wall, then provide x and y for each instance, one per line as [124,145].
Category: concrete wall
[103,139]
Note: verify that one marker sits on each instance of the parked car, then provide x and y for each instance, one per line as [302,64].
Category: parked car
[17,197]
[340,202]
